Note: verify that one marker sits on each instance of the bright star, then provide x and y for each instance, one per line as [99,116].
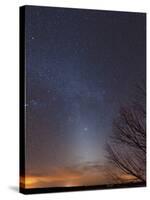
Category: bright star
[85,129]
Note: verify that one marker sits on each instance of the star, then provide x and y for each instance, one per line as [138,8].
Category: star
[85,129]
[34,102]
[32,38]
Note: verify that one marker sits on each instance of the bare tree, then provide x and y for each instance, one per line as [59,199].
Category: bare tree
[127,149]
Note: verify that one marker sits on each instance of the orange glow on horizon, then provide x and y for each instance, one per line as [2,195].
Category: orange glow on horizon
[63,180]
[70,177]
[29,181]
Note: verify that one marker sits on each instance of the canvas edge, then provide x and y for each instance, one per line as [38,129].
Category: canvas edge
[80,188]
[21,95]
[22,188]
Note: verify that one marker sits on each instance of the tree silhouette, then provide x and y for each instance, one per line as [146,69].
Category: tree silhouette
[127,147]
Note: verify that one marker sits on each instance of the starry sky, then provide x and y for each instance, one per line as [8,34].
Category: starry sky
[80,67]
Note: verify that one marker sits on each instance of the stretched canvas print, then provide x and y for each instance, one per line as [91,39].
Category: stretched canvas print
[82,99]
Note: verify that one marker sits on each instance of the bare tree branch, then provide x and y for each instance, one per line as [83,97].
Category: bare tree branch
[127,149]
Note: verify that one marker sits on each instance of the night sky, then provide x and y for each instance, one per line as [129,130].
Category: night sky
[81,66]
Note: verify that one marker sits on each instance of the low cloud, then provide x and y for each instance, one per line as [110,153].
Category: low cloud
[83,174]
